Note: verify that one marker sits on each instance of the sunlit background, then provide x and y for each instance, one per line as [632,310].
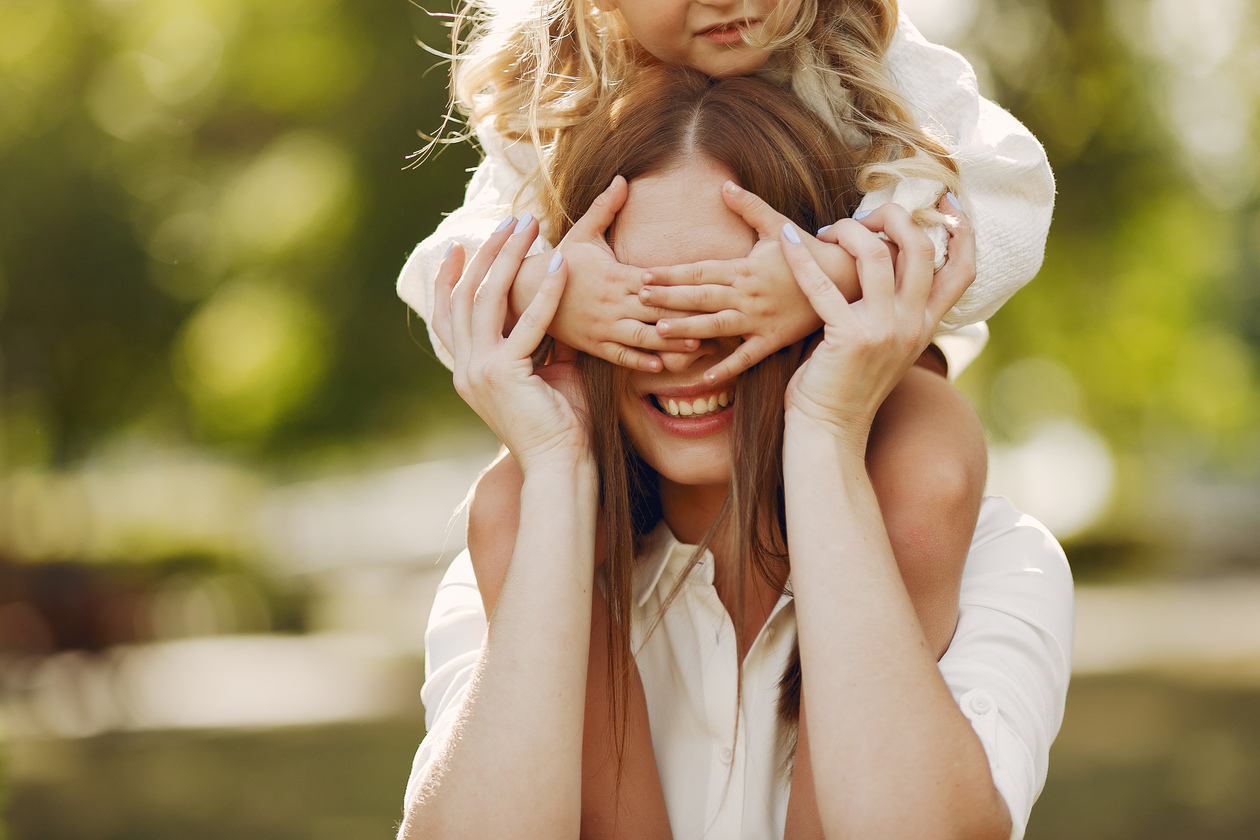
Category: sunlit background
[230,466]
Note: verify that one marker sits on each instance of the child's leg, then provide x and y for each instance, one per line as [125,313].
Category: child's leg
[927,460]
[636,807]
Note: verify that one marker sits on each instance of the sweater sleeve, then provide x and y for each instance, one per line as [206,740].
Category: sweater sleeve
[1007,184]
[498,187]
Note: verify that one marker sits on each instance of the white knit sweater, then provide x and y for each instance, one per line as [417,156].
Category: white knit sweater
[1008,187]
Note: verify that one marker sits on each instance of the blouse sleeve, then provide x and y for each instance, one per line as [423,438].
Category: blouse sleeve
[1007,184]
[452,645]
[1010,660]
[498,186]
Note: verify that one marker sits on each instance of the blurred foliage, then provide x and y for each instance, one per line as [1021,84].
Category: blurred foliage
[204,209]
[1148,295]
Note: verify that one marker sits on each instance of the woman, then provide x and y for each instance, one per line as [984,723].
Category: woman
[889,754]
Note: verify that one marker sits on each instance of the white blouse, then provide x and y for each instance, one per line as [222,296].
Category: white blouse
[1007,184]
[1008,668]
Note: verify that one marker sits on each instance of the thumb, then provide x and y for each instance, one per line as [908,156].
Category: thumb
[602,211]
[760,216]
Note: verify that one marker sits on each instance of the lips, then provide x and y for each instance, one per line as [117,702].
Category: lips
[726,34]
[691,412]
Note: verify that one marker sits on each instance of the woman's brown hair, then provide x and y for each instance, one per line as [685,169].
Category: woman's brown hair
[778,149]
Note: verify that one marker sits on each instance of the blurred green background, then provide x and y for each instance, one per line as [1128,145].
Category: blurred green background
[204,369]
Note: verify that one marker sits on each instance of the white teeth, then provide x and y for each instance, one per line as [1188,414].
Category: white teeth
[697,407]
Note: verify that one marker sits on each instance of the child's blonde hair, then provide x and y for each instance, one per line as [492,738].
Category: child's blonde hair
[533,71]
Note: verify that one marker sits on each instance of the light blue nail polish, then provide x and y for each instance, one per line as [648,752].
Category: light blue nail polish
[556,259]
[503,225]
[523,223]
[823,230]
[861,214]
[448,250]
[953,199]
[789,231]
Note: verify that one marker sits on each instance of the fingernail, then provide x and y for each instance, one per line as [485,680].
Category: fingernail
[953,199]
[710,377]
[644,294]
[556,259]
[655,364]
[523,223]
[823,230]
[691,343]
[448,249]
[503,225]
[731,187]
[861,214]
[789,231]
[662,327]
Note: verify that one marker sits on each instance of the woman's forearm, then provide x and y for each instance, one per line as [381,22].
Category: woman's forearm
[512,767]
[892,756]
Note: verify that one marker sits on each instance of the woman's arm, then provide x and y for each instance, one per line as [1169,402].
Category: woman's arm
[891,754]
[511,766]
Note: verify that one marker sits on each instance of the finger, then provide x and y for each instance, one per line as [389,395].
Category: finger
[745,356]
[645,337]
[532,325]
[703,273]
[875,269]
[444,287]
[916,256]
[817,286]
[602,211]
[727,323]
[959,271]
[485,255]
[625,356]
[760,216]
[462,298]
[490,301]
[711,298]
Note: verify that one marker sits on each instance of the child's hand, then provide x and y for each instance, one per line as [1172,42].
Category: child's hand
[755,298]
[601,313]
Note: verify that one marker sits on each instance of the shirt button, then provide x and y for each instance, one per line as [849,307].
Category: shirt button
[980,704]
[726,755]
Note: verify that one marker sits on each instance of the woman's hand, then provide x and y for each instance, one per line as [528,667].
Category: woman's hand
[754,298]
[603,315]
[495,374]
[868,345]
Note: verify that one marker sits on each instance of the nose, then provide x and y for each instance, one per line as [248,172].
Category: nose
[706,354]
